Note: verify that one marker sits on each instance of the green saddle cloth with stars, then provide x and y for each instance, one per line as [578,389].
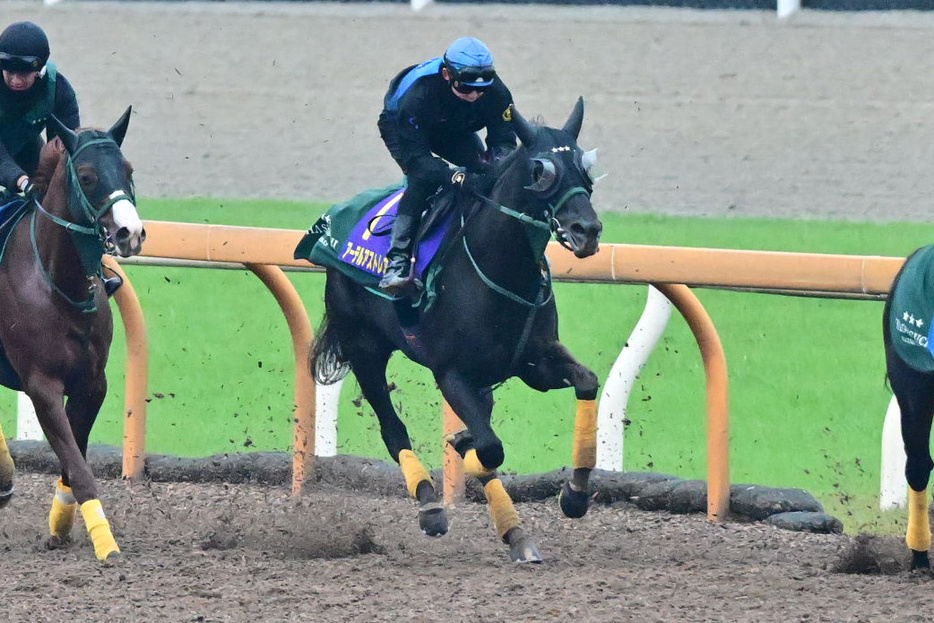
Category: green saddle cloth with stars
[911,312]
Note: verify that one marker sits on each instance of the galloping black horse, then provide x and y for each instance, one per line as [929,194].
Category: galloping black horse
[55,321]
[494,318]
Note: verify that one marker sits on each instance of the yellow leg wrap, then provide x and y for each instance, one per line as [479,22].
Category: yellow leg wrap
[504,514]
[473,466]
[585,435]
[413,470]
[99,529]
[6,465]
[918,537]
[64,507]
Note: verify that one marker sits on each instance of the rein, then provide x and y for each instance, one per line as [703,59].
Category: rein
[538,250]
[90,240]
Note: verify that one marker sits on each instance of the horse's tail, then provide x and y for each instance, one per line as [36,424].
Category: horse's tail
[327,361]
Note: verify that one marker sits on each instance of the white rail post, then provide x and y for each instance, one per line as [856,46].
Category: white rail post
[893,489]
[611,414]
[27,424]
[418,5]
[786,8]
[327,398]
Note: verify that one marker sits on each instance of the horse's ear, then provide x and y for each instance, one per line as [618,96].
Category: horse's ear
[524,130]
[69,138]
[574,122]
[118,131]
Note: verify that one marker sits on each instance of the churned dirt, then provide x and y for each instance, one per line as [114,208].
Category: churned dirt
[706,113]
[246,553]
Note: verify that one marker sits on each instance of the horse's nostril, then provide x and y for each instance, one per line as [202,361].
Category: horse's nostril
[142,237]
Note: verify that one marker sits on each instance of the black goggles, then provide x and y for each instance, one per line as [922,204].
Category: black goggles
[469,75]
[10,62]
[467,89]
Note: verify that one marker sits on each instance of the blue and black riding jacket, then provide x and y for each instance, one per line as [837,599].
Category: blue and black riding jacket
[23,117]
[422,117]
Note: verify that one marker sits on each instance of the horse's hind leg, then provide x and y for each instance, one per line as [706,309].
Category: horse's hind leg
[555,368]
[68,435]
[6,472]
[370,370]
[914,391]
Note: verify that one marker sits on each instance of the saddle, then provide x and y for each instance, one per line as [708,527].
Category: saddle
[10,214]
[354,237]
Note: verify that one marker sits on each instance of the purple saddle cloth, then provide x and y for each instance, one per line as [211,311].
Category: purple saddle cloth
[355,236]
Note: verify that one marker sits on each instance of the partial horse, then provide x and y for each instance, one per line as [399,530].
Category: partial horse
[56,325]
[907,333]
[493,316]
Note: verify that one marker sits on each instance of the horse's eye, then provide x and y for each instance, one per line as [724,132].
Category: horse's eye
[88,180]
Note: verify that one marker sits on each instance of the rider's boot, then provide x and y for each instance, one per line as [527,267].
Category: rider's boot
[112,284]
[399,275]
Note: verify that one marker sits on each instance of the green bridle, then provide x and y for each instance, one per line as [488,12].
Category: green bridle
[88,235]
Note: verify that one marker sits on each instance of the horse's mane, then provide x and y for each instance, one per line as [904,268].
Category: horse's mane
[49,158]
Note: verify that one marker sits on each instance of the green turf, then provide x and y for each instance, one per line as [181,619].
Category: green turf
[806,375]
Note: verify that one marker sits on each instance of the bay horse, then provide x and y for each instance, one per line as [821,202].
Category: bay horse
[56,324]
[909,356]
[494,317]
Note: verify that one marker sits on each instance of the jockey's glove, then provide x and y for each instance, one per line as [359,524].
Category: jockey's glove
[27,187]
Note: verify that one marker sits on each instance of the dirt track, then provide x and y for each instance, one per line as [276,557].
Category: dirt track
[246,554]
[695,113]
[826,115]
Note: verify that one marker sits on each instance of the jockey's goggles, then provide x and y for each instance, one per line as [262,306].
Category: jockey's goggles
[10,62]
[467,89]
[475,77]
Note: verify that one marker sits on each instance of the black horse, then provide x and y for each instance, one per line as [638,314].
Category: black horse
[906,333]
[494,318]
[56,325]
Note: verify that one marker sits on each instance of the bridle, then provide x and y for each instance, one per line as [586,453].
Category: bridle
[88,234]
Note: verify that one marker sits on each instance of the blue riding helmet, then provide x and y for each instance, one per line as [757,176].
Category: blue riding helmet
[470,62]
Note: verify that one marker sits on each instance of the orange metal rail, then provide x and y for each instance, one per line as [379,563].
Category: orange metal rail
[671,269]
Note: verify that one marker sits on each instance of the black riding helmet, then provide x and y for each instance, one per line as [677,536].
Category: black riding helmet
[23,47]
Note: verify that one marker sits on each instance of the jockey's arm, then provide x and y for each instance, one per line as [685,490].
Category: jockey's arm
[10,172]
[66,106]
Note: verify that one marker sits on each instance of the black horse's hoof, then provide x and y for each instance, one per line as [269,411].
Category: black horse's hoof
[432,519]
[57,542]
[5,497]
[523,550]
[573,503]
[920,560]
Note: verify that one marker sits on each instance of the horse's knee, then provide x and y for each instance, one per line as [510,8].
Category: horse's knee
[918,472]
[491,455]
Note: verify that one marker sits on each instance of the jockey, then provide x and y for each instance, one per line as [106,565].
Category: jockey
[430,117]
[31,90]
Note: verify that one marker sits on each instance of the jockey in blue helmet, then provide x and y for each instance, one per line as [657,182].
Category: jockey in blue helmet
[31,91]
[431,115]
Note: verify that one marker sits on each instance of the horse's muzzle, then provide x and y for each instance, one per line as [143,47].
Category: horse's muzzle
[583,237]
[128,243]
